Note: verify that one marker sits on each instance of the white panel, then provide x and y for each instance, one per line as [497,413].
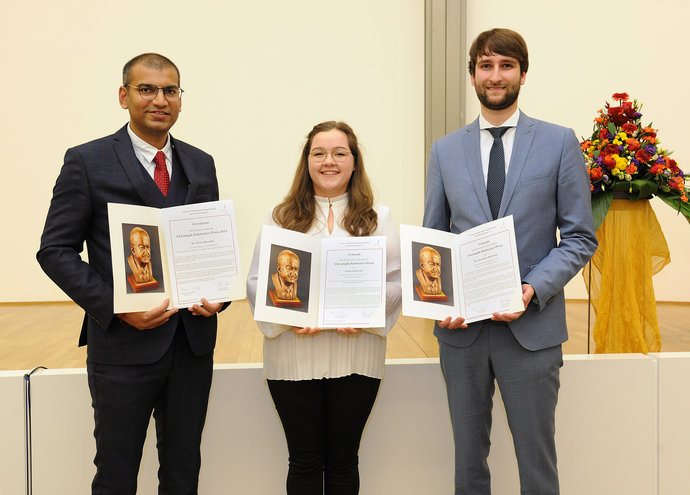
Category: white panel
[12,446]
[606,425]
[605,429]
[407,446]
[674,416]
[606,432]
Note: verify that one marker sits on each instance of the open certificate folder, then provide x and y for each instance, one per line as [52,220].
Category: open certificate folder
[473,274]
[183,253]
[305,281]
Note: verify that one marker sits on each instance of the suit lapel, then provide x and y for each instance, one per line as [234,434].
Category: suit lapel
[132,167]
[524,135]
[187,166]
[473,159]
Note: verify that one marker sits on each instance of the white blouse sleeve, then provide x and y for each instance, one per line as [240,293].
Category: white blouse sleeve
[270,330]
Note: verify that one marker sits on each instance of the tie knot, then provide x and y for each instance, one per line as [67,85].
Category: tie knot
[497,132]
[159,159]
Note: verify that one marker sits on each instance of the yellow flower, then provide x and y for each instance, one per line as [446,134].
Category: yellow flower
[615,171]
[621,163]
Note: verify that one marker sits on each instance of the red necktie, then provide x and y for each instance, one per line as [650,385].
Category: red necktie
[160,175]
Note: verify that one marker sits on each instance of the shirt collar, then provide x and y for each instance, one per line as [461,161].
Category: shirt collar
[146,150]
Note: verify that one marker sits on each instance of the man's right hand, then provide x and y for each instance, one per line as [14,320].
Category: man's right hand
[146,320]
[451,324]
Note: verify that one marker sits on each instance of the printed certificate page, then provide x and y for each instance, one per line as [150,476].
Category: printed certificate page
[488,261]
[353,282]
[203,252]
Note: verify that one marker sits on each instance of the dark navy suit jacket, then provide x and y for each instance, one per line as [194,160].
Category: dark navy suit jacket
[94,174]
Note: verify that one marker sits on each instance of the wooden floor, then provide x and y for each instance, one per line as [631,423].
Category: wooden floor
[45,334]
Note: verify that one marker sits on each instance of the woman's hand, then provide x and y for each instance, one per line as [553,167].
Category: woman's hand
[349,330]
[306,330]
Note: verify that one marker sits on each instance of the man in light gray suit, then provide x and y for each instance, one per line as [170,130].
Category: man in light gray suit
[534,171]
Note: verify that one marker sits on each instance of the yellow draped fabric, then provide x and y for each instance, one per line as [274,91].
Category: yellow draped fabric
[632,248]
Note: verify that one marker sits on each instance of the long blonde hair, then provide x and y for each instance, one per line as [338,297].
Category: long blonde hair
[297,210]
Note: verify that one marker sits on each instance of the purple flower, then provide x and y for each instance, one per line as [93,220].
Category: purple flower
[651,149]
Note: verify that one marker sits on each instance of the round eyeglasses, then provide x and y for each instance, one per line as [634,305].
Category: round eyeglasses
[149,92]
[339,155]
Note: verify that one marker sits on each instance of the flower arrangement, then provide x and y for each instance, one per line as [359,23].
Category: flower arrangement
[624,155]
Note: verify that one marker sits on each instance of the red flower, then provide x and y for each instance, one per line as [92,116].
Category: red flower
[656,169]
[633,144]
[672,165]
[643,155]
[617,116]
[603,133]
[609,162]
[629,128]
[611,149]
[631,169]
[620,96]
[628,109]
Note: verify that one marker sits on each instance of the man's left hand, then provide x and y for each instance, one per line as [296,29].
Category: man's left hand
[205,308]
[527,295]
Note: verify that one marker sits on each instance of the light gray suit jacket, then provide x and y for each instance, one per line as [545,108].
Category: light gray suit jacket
[546,190]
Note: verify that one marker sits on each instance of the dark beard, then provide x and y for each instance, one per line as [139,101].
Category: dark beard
[508,100]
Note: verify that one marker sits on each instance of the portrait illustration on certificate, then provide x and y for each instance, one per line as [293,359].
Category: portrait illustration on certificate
[289,273]
[142,262]
[433,269]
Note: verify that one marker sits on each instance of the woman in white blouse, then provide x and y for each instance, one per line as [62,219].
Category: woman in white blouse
[324,382]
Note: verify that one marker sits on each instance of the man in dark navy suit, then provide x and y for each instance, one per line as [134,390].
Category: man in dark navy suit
[158,361]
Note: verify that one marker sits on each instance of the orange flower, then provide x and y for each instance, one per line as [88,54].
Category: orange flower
[631,169]
[595,173]
[633,144]
[676,183]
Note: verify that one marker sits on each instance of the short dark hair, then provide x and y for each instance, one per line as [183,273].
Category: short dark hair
[499,41]
[150,60]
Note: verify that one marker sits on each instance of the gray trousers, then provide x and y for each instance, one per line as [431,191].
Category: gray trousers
[529,383]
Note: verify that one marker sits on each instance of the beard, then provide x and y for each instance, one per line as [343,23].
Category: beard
[511,95]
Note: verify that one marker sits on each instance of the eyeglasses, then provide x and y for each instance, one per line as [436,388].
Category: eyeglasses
[149,92]
[339,155]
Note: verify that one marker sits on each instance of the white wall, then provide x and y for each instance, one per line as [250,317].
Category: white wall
[580,54]
[621,427]
[257,77]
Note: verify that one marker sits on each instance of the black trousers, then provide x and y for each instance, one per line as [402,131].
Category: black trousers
[176,390]
[323,422]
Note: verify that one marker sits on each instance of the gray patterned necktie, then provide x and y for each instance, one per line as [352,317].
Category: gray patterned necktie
[496,178]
